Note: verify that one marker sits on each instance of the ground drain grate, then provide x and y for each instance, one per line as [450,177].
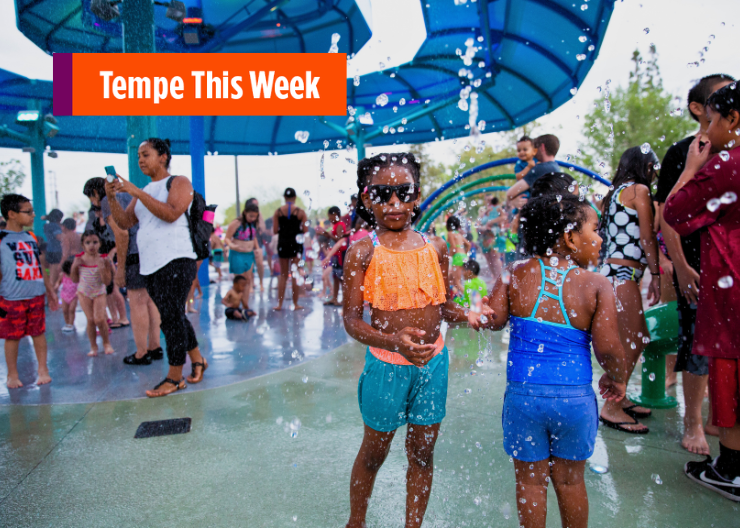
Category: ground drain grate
[163,428]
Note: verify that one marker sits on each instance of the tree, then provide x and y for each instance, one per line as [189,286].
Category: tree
[642,112]
[11,176]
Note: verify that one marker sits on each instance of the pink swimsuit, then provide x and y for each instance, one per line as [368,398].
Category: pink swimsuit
[69,289]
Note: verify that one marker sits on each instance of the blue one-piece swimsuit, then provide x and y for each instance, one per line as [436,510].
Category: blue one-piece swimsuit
[549,407]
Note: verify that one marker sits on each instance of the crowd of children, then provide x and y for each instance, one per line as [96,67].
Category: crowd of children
[570,284]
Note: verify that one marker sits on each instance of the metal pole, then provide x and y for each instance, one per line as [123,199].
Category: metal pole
[138,37]
[38,183]
[236,177]
[197,152]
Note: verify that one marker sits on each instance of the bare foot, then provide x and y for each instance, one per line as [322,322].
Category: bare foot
[277,308]
[619,416]
[14,383]
[671,380]
[694,441]
[43,378]
[92,353]
[297,307]
[262,288]
[711,430]
[108,349]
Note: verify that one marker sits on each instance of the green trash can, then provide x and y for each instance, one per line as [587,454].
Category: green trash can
[662,322]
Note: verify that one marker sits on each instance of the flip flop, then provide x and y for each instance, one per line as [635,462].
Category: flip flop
[616,425]
[636,414]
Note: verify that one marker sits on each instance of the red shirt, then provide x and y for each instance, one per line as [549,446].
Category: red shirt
[717,331]
[341,252]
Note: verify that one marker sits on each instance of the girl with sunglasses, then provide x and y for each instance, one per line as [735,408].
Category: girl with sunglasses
[403,275]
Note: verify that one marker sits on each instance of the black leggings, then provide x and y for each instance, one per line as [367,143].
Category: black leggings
[169,287]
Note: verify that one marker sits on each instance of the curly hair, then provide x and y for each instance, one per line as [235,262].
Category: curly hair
[545,219]
[367,167]
[725,100]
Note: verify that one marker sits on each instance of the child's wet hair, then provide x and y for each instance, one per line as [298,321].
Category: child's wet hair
[238,279]
[70,224]
[552,183]
[367,168]
[525,138]
[67,266]
[88,234]
[472,266]
[453,223]
[725,100]
[701,91]
[545,219]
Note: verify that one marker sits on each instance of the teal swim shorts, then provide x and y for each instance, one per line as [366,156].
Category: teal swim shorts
[240,262]
[393,395]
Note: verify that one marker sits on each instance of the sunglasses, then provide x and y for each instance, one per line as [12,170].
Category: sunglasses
[407,192]
[27,211]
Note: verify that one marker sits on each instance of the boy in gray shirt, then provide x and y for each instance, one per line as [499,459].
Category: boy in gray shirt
[22,288]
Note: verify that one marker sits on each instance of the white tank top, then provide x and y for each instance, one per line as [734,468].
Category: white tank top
[160,242]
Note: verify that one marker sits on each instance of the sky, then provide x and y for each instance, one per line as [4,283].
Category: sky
[678,28]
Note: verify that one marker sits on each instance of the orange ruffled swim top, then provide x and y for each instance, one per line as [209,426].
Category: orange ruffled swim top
[403,280]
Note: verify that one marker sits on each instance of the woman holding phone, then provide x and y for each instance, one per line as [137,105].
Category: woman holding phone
[166,256]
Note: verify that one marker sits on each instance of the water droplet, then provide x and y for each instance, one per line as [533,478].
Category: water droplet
[295,426]
[724,155]
[381,100]
[728,198]
[599,470]
[645,148]
[477,501]
[646,30]
[582,38]
[304,379]
[651,376]
[301,136]
[584,7]
[334,40]
[467,391]
[713,204]
[573,91]
[356,81]
[581,57]
[656,478]
[725,282]
[591,47]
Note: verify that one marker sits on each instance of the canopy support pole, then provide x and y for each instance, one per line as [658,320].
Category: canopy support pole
[38,183]
[138,37]
[197,165]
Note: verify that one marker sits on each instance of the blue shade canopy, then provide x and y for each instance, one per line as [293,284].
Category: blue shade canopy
[236,26]
[526,58]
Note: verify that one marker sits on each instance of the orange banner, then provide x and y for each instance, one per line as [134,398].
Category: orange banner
[288,84]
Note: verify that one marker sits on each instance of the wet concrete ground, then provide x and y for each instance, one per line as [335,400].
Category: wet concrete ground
[235,351]
[277,450]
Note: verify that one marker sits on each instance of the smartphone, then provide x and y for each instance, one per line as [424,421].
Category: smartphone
[110,170]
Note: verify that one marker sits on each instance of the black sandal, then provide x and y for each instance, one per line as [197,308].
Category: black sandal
[616,425]
[156,354]
[179,385]
[133,360]
[637,415]
[203,366]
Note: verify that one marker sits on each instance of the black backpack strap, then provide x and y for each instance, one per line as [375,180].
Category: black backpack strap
[169,182]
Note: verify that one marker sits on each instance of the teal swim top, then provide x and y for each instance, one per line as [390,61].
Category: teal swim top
[549,353]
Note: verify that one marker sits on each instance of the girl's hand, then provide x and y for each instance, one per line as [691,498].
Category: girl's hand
[610,389]
[698,155]
[419,355]
[325,263]
[475,319]
[654,291]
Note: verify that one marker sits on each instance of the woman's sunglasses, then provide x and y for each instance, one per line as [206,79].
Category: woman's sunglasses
[407,192]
